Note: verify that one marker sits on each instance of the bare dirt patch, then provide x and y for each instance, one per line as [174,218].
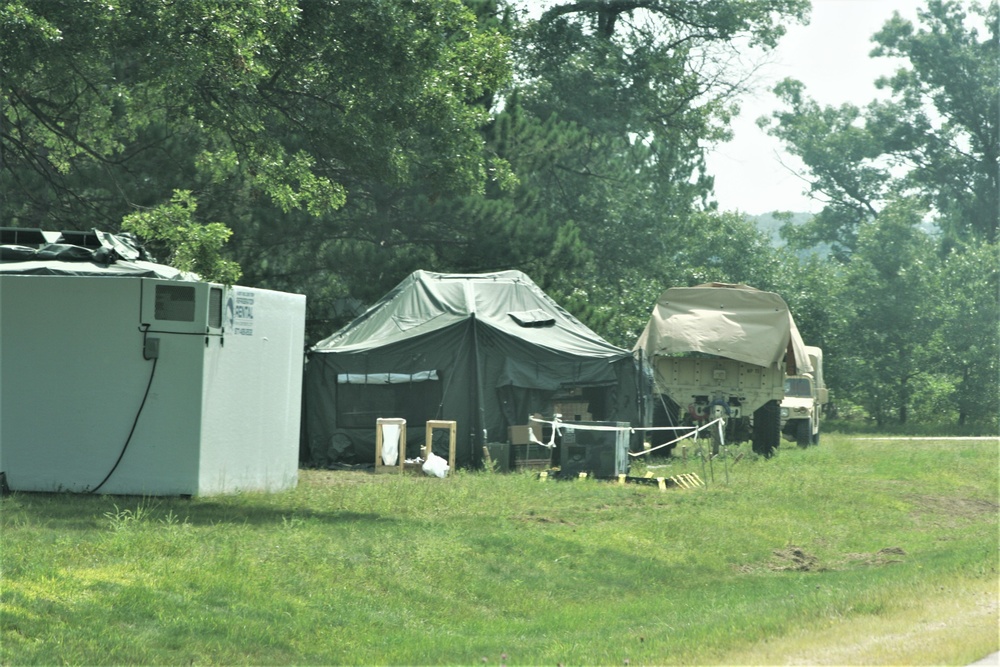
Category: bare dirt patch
[322,478]
[884,556]
[966,508]
[545,519]
[794,559]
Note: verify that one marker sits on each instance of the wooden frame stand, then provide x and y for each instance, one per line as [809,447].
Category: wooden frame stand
[427,448]
[441,423]
[379,423]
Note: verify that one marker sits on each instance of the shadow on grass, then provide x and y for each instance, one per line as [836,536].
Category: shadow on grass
[74,511]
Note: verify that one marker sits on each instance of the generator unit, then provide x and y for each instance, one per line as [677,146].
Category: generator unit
[599,449]
[126,377]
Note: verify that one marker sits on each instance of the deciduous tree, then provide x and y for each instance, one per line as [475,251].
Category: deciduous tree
[935,137]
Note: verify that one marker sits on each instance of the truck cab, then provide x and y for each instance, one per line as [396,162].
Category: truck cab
[802,405]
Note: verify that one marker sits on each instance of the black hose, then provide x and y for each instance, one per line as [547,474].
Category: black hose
[135,421]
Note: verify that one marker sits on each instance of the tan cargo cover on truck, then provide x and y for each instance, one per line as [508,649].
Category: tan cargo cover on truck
[732,321]
[722,352]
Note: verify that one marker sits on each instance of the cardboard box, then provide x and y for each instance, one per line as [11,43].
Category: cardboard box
[573,411]
[518,435]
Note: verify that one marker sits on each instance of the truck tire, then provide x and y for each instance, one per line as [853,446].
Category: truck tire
[767,428]
[716,440]
[803,433]
[665,413]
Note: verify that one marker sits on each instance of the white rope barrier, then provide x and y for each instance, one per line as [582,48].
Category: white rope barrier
[556,424]
[695,430]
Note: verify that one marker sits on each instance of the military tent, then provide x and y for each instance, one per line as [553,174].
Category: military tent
[485,350]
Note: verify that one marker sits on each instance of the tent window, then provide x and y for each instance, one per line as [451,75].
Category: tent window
[386,378]
[359,404]
[533,318]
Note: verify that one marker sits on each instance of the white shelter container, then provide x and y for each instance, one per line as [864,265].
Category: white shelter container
[144,382]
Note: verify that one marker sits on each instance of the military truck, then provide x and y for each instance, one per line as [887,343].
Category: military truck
[722,351]
[805,396]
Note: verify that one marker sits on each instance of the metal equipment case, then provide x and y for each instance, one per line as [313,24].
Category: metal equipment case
[600,453]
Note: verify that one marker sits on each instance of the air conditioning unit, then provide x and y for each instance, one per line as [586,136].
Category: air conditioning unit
[171,306]
[599,452]
[148,386]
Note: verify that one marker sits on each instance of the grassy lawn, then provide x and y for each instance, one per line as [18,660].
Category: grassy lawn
[869,551]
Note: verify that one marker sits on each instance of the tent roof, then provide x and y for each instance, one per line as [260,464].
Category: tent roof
[506,300]
[733,321]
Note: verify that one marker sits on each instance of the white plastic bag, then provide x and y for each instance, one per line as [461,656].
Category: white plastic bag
[435,466]
[390,444]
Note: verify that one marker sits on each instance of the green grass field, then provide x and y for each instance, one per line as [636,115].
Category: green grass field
[883,550]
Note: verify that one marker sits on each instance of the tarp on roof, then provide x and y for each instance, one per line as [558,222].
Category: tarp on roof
[732,321]
[501,348]
[94,253]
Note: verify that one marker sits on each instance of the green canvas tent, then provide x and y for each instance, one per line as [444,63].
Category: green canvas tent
[484,350]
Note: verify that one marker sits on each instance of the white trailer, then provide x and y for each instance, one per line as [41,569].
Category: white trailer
[129,384]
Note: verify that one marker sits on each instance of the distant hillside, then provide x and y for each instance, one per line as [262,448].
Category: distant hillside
[771,225]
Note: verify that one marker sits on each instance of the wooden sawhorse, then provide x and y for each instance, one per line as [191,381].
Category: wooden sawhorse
[401,445]
[441,423]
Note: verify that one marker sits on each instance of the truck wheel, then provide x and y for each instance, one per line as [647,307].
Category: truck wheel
[716,440]
[803,433]
[815,438]
[767,428]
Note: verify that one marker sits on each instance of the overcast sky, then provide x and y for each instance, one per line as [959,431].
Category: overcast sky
[830,56]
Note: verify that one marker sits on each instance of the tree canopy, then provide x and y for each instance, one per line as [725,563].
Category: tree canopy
[331,148]
[912,207]
[935,137]
[110,107]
